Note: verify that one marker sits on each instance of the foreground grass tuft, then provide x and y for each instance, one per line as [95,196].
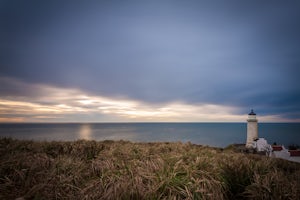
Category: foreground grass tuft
[125,170]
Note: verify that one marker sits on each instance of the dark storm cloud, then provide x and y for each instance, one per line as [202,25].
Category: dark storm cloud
[243,54]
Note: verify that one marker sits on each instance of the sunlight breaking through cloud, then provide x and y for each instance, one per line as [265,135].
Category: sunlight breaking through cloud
[60,105]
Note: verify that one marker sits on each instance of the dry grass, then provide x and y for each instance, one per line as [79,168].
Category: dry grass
[125,170]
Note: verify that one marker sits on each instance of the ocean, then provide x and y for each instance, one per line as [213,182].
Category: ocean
[212,134]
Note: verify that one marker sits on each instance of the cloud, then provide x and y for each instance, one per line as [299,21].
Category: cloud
[73,105]
[240,55]
[67,104]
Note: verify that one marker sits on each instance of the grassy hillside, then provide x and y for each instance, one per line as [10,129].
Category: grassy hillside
[125,170]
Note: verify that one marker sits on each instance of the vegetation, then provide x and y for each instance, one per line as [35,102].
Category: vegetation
[125,170]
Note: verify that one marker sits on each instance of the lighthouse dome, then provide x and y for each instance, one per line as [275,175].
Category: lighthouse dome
[251,113]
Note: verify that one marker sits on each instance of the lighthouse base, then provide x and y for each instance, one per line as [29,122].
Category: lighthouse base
[252,133]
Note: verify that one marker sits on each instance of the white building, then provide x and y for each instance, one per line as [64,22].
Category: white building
[284,153]
[261,144]
[252,129]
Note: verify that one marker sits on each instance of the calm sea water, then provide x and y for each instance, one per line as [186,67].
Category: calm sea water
[212,134]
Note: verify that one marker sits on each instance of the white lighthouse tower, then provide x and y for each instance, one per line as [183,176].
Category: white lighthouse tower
[252,129]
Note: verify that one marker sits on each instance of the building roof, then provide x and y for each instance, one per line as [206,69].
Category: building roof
[277,147]
[251,113]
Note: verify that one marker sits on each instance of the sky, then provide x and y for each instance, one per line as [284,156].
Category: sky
[149,61]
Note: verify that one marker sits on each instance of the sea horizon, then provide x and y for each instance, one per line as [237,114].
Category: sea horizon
[217,134]
[291,122]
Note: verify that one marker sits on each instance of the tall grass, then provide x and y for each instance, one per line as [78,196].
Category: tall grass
[125,170]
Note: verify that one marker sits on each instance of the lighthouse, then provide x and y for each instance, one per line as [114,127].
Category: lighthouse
[252,129]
